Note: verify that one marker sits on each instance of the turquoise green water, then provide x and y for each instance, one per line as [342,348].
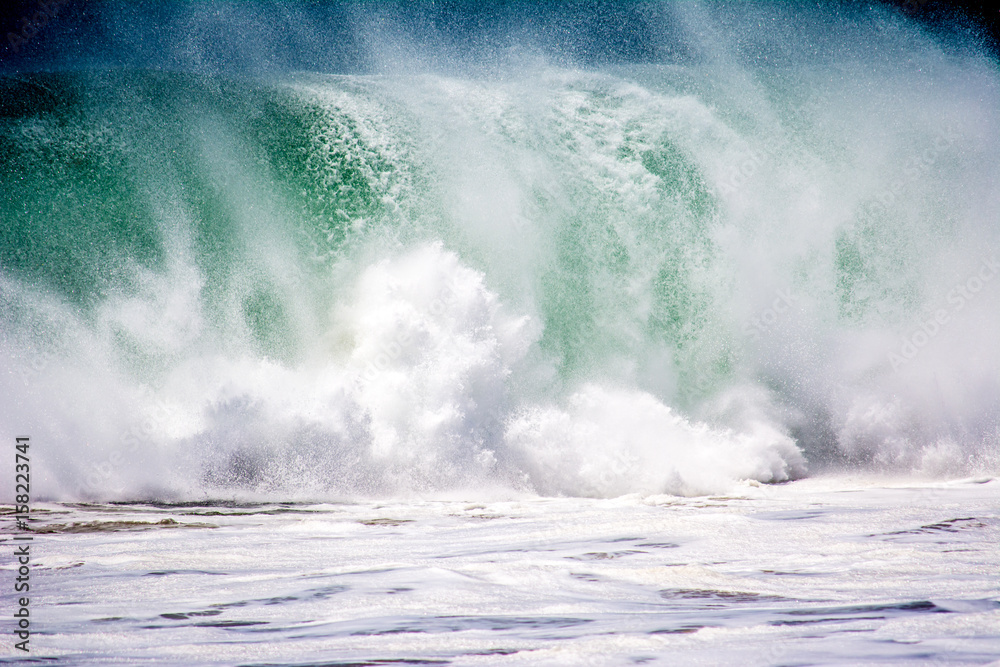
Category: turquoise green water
[427,282]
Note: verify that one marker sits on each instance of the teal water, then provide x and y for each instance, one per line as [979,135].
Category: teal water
[632,277]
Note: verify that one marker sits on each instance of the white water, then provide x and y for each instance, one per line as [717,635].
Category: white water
[827,571]
[799,320]
[451,356]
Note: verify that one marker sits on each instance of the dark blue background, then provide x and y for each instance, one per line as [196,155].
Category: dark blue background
[262,37]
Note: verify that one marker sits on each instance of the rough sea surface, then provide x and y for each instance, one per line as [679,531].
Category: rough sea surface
[826,571]
[528,333]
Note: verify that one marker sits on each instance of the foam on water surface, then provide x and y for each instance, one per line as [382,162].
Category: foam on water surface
[825,571]
[384,333]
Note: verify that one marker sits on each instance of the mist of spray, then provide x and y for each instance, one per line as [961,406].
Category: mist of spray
[759,244]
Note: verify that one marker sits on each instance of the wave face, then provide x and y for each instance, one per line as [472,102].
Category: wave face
[757,255]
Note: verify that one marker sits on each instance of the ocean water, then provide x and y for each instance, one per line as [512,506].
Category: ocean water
[594,334]
[824,571]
